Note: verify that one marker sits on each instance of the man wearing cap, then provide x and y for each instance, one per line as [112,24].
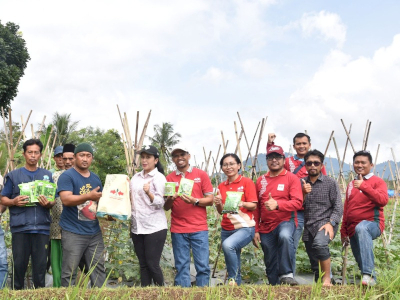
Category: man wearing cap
[30,225]
[58,159]
[189,228]
[80,190]
[296,165]
[279,197]
[55,229]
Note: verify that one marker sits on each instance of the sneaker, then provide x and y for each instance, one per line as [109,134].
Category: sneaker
[289,281]
[367,280]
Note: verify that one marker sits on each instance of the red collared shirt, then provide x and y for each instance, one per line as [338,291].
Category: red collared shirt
[245,217]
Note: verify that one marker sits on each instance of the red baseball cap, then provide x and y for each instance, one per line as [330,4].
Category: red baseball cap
[275,149]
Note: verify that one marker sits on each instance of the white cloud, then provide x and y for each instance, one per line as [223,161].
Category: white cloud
[326,25]
[216,75]
[256,67]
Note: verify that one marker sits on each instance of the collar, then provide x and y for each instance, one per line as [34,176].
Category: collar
[177,172]
[151,173]
[282,173]
[368,176]
[298,158]
[236,181]
[320,178]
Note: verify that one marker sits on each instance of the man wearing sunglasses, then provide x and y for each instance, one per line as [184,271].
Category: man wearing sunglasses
[323,211]
[363,218]
[279,197]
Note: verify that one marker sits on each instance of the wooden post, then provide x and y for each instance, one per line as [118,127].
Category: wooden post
[365,135]
[253,170]
[142,137]
[340,166]
[238,144]
[329,141]
[251,146]
[41,126]
[348,135]
[366,138]
[245,138]
[137,128]
[345,148]
[223,142]
[22,132]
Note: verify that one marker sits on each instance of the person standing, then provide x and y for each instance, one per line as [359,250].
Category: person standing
[296,165]
[58,159]
[363,217]
[80,190]
[149,224]
[3,254]
[323,211]
[279,198]
[30,225]
[237,228]
[55,229]
[189,228]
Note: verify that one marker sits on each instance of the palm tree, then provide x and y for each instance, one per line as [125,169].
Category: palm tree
[164,139]
[63,126]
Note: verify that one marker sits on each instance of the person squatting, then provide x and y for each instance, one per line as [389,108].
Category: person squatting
[294,200]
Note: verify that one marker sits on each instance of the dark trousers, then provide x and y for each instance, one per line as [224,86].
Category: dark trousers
[25,245]
[318,250]
[148,249]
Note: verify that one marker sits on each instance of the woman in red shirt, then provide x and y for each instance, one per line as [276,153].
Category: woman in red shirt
[237,227]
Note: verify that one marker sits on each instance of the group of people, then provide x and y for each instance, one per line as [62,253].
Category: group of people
[295,194]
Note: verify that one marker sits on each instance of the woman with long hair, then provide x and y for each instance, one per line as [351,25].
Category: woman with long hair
[238,228]
[149,224]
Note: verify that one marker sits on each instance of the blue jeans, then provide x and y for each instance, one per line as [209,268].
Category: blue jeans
[198,242]
[232,243]
[278,251]
[3,260]
[297,236]
[362,245]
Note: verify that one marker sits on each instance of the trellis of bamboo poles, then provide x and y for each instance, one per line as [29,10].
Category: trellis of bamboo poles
[329,142]
[253,169]
[251,145]
[348,135]
[340,177]
[46,148]
[245,138]
[206,160]
[50,152]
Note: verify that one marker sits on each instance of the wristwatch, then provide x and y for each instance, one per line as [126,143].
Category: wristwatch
[333,223]
[197,202]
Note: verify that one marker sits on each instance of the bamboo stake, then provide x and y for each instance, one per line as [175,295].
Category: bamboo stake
[383,172]
[238,144]
[366,139]
[340,166]
[142,137]
[11,140]
[47,145]
[365,135]
[41,126]
[395,205]
[251,146]
[137,128]
[348,135]
[22,123]
[345,148]
[33,131]
[333,171]
[223,142]
[129,137]
[22,132]
[128,165]
[245,138]
[376,157]
[397,168]
[207,161]
[253,170]
[329,141]
[50,152]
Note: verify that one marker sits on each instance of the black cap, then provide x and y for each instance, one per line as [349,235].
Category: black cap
[149,149]
[69,148]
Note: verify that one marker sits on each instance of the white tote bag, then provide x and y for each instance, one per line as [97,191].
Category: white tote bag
[115,200]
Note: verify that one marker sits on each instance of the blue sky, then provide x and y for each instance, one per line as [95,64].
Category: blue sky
[304,64]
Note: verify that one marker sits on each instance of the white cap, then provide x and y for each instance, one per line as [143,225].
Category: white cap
[180,147]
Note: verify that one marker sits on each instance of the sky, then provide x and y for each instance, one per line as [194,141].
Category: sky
[302,65]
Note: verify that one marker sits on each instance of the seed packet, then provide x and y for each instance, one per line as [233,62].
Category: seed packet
[185,187]
[49,190]
[38,189]
[232,202]
[169,188]
[28,189]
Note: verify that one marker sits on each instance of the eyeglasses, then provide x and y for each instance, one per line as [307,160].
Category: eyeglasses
[315,163]
[228,165]
[271,158]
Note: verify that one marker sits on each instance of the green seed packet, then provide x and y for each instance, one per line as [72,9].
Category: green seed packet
[185,187]
[232,202]
[169,188]
[49,190]
[38,189]
[28,189]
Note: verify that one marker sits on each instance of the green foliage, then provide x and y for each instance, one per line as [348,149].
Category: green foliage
[63,126]
[164,139]
[13,60]
[109,156]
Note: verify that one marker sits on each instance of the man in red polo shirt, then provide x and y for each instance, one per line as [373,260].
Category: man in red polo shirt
[296,165]
[279,198]
[189,228]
